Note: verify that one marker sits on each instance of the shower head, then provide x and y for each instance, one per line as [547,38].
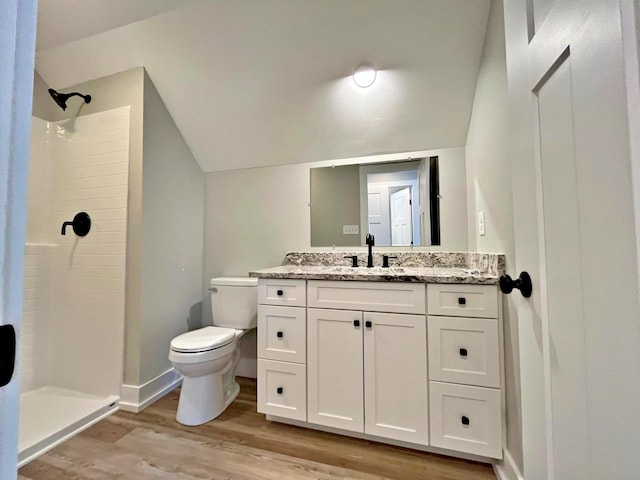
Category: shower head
[61,98]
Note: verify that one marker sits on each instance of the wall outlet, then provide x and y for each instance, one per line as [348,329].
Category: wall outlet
[481,228]
[351,229]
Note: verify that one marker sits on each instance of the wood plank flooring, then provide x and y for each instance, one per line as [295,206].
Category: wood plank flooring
[239,445]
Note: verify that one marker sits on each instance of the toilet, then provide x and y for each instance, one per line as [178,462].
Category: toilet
[207,357]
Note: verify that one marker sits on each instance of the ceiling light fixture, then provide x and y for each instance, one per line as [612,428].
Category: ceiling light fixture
[365,75]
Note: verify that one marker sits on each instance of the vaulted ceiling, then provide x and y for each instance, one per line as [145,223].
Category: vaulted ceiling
[264,82]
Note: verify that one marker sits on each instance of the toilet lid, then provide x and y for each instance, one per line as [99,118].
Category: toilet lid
[203,339]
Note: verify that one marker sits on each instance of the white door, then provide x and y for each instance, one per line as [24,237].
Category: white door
[334,368]
[378,213]
[401,217]
[17,49]
[574,225]
[395,376]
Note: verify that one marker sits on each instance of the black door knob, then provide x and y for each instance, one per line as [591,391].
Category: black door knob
[368,324]
[463,352]
[280,390]
[279,334]
[465,420]
[280,293]
[522,283]
[356,323]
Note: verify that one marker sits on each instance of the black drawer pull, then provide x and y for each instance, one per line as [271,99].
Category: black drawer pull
[280,390]
[356,323]
[280,293]
[465,420]
[462,301]
[463,352]
[279,334]
[368,324]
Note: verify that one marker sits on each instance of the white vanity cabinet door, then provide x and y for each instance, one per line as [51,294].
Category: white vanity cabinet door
[334,369]
[282,333]
[462,300]
[284,292]
[464,350]
[396,297]
[466,419]
[282,389]
[395,379]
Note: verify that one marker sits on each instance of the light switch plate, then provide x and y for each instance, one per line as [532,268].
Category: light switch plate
[351,229]
[481,227]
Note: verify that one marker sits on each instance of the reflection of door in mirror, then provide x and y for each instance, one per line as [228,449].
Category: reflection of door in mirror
[401,217]
[393,195]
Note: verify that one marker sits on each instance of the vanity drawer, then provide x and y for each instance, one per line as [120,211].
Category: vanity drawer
[272,291]
[459,300]
[369,296]
[464,350]
[282,333]
[282,389]
[466,419]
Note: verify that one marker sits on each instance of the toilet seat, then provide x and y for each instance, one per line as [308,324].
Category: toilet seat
[203,340]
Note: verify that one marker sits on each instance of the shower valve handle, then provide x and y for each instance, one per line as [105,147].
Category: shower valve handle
[81,224]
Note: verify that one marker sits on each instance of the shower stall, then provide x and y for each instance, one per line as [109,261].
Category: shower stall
[71,349]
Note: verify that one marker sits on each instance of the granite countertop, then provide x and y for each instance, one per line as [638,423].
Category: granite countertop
[433,267]
[430,274]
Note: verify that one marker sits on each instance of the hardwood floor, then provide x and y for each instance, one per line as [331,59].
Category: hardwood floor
[238,445]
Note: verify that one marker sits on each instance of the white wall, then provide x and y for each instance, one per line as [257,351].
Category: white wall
[117,90]
[489,189]
[164,229]
[75,286]
[172,236]
[34,351]
[254,216]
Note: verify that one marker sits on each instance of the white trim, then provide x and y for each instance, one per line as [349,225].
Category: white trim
[134,398]
[628,17]
[507,469]
[375,438]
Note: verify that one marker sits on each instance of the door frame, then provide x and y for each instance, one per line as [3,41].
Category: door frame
[17,55]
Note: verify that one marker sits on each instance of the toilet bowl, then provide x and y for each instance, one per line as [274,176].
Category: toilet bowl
[207,358]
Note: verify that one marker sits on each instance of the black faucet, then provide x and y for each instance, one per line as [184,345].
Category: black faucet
[370,241]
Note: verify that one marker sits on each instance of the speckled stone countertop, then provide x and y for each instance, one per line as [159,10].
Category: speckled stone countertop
[424,267]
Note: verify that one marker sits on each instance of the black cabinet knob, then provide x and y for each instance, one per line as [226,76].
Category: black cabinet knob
[280,293]
[356,323]
[462,301]
[368,324]
[463,352]
[465,420]
[522,283]
[280,390]
[279,334]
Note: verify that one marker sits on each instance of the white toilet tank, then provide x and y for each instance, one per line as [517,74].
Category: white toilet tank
[234,302]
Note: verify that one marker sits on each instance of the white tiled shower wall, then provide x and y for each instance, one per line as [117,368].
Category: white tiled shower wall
[73,328]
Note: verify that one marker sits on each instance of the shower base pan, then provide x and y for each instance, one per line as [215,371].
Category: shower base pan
[51,415]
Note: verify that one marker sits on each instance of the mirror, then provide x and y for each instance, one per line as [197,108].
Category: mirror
[398,202]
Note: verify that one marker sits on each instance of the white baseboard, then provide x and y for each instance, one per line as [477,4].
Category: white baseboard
[134,398]
[507,469]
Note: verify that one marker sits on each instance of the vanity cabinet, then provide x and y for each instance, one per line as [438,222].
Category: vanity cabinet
[464,368]
[400,361]
[367,358]
[282,371]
